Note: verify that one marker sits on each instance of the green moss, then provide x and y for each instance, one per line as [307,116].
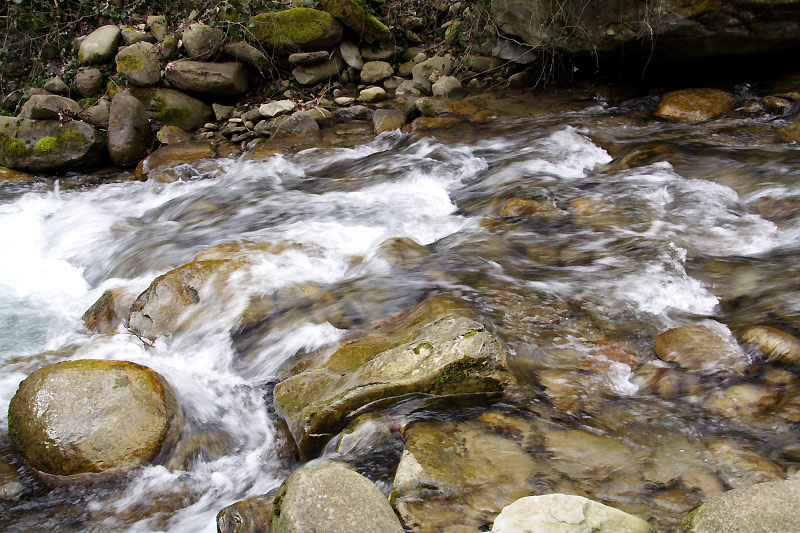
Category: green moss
[129,63]
[356,16]
[297,27]
[46,144]
[11,148]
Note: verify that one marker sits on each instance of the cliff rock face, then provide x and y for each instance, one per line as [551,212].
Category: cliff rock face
[674,28]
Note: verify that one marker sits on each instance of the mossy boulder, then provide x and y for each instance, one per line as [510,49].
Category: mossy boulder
[220,79]
[445,354]
[91,416]
[100,46]
[331,498]
[297,28]
[129,134]
[49,145]
[355,15]
[139,64]
[694,105]
[174,108]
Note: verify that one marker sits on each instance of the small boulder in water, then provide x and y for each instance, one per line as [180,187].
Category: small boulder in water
[91,416]
[739,467]
[774,344]
[697,347]
[694,105]
[109,311]
[159,162]
[251,515]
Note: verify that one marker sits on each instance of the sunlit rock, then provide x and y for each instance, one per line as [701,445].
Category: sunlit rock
[774,344]
[694,105]
[740,467]
[139,64]
[110,311]
[100,46]
[697,347]
[160,163]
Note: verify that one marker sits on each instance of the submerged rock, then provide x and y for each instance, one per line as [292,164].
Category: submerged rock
[10,486]
[90,416]
[739,467]
[331,498]
[694,105]
[774,344]
[697,347]
[562,513]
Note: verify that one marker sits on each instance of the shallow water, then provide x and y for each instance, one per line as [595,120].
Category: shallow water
[702,227]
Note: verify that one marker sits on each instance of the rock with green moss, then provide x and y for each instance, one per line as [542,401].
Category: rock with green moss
[100,46]
[331,498]
[49,145]
[447,354]
[297,28]
[139,65]
[355,15]
[175,108]
[202,42]
[92,416]
[129,134]
[48,106]
[220,79]
[133,36]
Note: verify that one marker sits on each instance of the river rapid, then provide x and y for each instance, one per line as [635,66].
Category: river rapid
[652,226]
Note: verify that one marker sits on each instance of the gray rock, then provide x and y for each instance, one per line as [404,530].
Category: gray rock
[388,120]
[301,58]
[249,54]
[422,72]
[391,84]
[175,108]
[129,134]
[99,112]
[356,112]
[273,109]
[222,112]
[322,116]
[42,106]
[221,79]
[448,86]
[373,94]
[344,100]
[334,499]
[300,123]
[169,48]
[250,115]
[375,71]
[157,24]
[351,54]
[562,513]
[317,72]
[89,82]
[133,36]
[387,52]
[100,46]
[407,88]
[139,64]
[56,86]
[201,42]
[511,51]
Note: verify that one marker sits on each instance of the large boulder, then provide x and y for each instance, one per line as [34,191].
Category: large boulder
[444,354]
[299,27]
[220,79]
[139,64]
[762,508]
[694,105]
[175,108]
[356,16]
[48,106]
[49,145]
[331,498]
[313,73]
[202,42]
[129,134]
[91,416]
[563,513]
[100,46]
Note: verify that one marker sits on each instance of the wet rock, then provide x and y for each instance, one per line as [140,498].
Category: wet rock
[322,116]
[566,514]
[299,27]
[175,108]
[172,135]
[6,174]
[139,64]
[249,54]
[99,112]
[697,347]
[745,403]
[431,123]
[299,123]
[133,36]
[448,87]
[790,133]
[351,54]
[765,507]
[10,486]
[274,109]
[459,474]
[201,42]
[43,107]
[318,72]
[221,79]
[355,15]
[443,355]
[373,94]
[89,82]
[528,208]
[366,434]
[739,467]
[251,515]
[56,86]
[109,312]
[774,344]
[331,498]
[681,462]
[581,455]
[375,71]
[90,416]
[100,46]
[388,120]
[308,57]
[173,155]
[128,130]
[597,214]
[694,105]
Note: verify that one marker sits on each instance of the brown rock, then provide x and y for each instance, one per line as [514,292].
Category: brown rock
[694,105]
[697,347]
[128,130]
[173,155]
[774,344]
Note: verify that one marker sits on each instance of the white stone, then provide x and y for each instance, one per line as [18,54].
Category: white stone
[273,109]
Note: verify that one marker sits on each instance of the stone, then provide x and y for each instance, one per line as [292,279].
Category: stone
[790,133]
[580,455]
[373,94]
[157,24]
[344,100]
[222,112]
[762,508]
[317,72]
[299,123]
[100,46]
[388,120]
[694,105]
[139,64]
[562,513]
[91,416]
[109,312]
[448,87]
[274,109]
[299,27]
[406,89]
[172,135]
[220,79]
[483,64]
[159,164]
[446,355]
[133,36]
[774,344]
[10,486]
[355,112]
[375,71]
[355,15]
[249,54]
[175,108]
[49,145]
[169,48]
[745,403]
[521,80]
[697,347]
[308,57]
[89,82]
[435,65]
[739,467]
[534,209]
[202,42]
[98,113]
[56,86]
[7,174]
[251,515]
[331,498]
[129,134]
[321,116]
[351,54]
[432,123]
[42,106]
[514,52]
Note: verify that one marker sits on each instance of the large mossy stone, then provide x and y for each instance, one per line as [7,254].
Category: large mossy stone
[355,15]
[139,64]
[563,513]
[762,508]
[694,105]
[446,354]
[297,28]
[174,108]
[91,416]
[49,145]
[220,79]
[129,134]
[100,46]
[331,498]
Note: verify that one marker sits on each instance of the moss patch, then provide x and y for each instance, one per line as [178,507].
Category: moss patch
[300,27]
[129,63]
[11,148]
[355,15]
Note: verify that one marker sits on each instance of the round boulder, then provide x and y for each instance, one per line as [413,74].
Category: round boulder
[128,130]
[138,64]
[90,416]
[201,42]
[89,82]
[99,46]
[697,347]
[694,105]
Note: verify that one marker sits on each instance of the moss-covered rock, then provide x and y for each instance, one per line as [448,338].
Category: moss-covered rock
[139,65]
[300,27]
[91,416]
[356,16]
[175,108]
[694,105]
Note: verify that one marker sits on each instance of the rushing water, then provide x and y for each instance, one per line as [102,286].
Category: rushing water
[701,227]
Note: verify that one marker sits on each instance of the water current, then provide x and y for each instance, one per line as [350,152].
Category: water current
[653,225]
